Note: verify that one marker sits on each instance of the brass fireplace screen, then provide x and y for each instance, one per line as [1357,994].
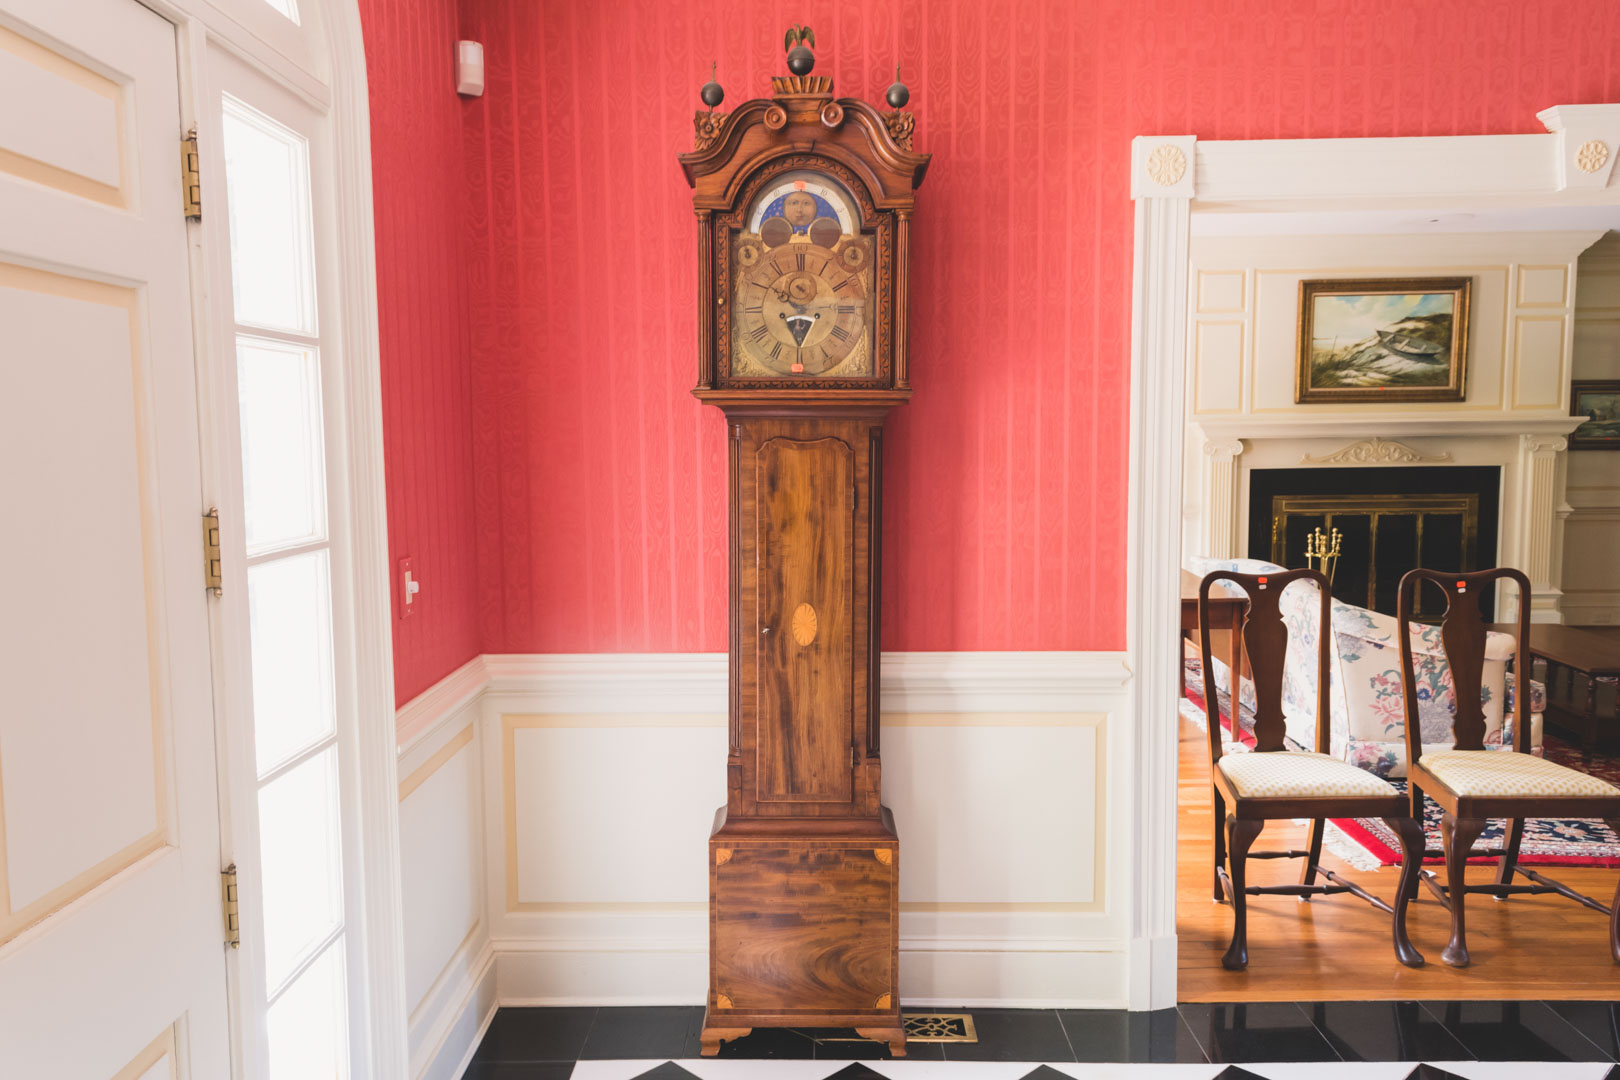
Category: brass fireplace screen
[1383,536]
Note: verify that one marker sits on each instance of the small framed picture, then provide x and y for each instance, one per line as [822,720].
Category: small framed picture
[1599,401]
[1378,340]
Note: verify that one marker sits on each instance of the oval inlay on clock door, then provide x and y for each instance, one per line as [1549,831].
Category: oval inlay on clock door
[804,624]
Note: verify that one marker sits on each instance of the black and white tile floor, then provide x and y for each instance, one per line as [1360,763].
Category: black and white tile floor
[1474,1040]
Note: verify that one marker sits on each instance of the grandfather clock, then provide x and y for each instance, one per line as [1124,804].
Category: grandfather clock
[804,209]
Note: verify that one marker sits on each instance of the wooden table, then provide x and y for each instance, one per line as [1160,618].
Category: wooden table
[1574,651]
[1224,611]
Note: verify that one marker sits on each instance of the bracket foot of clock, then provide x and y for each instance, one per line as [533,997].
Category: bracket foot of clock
[895,1037]
[711,1037]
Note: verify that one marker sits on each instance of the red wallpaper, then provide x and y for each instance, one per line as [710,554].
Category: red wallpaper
[598,482]
[422,245]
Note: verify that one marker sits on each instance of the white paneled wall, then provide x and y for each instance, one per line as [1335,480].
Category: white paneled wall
[449,968]
[1592,531]
[1524,329]
[593,783]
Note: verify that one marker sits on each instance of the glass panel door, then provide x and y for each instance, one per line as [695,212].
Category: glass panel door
[293,982]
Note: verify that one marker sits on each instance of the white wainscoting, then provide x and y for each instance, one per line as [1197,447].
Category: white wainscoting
[1007,774]
[449,966]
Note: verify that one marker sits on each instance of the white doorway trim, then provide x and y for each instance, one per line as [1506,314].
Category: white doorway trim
[1172,177]
[326,67]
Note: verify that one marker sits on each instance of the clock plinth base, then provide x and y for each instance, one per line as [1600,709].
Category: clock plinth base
[804,927]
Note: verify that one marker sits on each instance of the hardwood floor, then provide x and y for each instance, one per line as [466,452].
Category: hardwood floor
[1338,948]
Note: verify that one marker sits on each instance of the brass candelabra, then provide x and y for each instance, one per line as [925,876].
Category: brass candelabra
[1322,552]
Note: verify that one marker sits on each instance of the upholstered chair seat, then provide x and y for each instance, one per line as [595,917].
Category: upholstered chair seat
[1486,774]
[1298,774]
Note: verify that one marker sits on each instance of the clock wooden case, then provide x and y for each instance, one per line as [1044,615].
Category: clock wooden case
[804,209]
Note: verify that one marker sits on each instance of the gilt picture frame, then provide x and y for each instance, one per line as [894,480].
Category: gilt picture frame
[1382,340]
[1599,400]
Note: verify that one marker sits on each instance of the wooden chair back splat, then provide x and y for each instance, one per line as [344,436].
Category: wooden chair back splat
[1265,641]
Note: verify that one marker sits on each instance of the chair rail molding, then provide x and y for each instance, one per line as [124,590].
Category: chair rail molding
[1570,166]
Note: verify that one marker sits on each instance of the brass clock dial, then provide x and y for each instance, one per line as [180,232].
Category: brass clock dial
[801,282]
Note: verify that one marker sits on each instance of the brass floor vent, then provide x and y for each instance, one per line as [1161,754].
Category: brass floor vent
[940,1027]
[928,1028]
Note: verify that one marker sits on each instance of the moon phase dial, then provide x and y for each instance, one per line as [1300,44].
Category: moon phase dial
[799,309]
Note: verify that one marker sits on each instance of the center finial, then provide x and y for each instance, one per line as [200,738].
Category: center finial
[800,60]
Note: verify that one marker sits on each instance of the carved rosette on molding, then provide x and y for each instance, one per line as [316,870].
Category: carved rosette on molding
[707,126]
[901,127]
[1166,165]
[1162,165]
[1586,143]
[1592,156]
[1374,451]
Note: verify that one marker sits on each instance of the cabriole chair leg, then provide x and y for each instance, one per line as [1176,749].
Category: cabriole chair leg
[1614,905]
[1458,836]
[1242,836]
[1412,842]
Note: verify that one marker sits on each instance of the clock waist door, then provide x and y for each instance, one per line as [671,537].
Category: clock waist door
[805,602]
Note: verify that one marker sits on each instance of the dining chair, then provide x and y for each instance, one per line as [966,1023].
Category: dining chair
[1271,781]
[1473,784]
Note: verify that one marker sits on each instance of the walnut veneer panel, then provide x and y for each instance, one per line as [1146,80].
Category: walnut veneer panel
[805,513]
[805,926]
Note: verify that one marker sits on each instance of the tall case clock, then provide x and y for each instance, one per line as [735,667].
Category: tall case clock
[804,209]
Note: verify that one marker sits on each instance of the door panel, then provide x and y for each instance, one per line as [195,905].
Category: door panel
[805,491]
[109,829]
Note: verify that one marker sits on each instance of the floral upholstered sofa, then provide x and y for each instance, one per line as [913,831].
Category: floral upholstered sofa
[1365,694]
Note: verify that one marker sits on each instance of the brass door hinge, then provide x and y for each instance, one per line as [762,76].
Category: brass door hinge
[233,925]
[190,179]
[213,568]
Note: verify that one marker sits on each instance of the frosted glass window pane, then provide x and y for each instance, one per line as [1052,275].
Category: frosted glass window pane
[272,245]
[286,7]
[290,623]
[300,851]
[308,1028]
[282,462]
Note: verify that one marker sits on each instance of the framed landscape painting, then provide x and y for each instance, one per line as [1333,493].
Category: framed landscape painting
[1378,340]
[1598,399]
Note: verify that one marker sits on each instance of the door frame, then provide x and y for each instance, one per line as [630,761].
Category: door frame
[1173,176]
[323,62]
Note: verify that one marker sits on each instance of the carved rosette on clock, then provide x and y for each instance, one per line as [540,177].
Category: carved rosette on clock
[804,204]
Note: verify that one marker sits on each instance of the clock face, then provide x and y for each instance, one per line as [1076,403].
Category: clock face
[802,279]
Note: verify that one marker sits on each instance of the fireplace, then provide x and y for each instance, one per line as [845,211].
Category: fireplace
[1390,520]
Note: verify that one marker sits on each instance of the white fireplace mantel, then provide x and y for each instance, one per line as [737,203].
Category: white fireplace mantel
[1530,456]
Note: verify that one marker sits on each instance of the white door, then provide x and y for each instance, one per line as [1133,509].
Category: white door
[286,620]
[112,954]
